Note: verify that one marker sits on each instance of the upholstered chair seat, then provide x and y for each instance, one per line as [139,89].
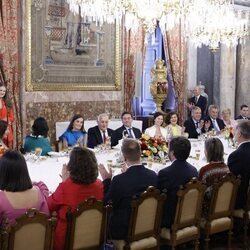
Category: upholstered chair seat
[186,226]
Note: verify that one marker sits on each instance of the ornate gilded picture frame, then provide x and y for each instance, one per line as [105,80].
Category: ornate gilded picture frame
[66,52]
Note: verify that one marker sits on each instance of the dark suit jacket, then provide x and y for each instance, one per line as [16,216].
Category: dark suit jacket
[95,137]
[117,134]
[241,117]
[239,164]
[190,128]
[220,122]
[202,103]
[170,179]
[120,191]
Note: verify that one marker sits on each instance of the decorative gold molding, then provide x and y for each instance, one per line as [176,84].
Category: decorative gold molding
[45,86]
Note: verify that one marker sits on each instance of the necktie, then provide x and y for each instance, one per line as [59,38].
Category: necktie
[196,100]
[130,135]
[104,137]
[215,126]
[197,124]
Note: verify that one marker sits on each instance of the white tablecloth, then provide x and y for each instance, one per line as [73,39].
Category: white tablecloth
[49,170]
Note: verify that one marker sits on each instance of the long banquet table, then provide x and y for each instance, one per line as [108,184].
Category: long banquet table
[48,169]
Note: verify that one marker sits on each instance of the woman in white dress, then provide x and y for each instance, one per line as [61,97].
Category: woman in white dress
[173,129]
[157,131]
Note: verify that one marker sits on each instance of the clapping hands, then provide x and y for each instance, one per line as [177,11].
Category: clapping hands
[105,174]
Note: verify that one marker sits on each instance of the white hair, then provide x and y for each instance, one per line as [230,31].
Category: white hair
[102,115]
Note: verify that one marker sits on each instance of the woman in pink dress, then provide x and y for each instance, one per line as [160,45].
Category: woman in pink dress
[18,193]
[229,122]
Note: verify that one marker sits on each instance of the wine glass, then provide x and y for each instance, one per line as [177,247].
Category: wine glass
[38,152]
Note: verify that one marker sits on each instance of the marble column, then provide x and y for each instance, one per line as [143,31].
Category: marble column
[191,66]
[227,78]
[243,75]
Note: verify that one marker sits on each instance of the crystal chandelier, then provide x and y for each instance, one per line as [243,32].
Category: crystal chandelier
[135,13]
[214,22]
[207,22]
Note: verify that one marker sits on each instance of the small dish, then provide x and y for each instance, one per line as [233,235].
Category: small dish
[56,154]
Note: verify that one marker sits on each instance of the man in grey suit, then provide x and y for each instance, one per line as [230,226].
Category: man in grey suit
[239,160]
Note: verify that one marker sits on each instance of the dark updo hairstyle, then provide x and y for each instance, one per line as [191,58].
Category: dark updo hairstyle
[75,117]
[6,98]
[156,114]
[40,127]
[14,175]
[169,115]
[214,150]
[83,166]
[3,128]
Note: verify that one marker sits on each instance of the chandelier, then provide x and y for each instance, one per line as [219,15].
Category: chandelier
[207,22]
[134,13]
[214,22]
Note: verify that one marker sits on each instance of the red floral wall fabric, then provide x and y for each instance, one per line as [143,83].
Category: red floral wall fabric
[132,44]
[9,57]
[175,46]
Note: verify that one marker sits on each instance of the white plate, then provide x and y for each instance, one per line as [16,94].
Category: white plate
[56,154]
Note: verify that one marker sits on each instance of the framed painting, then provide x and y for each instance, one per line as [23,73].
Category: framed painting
[64,51]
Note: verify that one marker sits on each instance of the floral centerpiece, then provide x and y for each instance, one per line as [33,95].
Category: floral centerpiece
[153,148]
[229,135]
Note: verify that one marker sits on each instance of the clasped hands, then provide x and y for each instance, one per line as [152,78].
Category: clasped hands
[107,173]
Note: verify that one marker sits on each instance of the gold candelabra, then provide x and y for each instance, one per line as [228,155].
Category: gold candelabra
[159,84]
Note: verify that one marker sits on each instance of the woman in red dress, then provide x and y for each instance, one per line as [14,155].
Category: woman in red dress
[6,114]
[79,182]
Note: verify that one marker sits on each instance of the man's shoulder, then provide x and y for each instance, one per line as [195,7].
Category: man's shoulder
[134,128]
[166,170]
[239,117]
[203,98]
[93,129]
[219,119]
[110,130]
[120,129]
[188,121]
[192,98]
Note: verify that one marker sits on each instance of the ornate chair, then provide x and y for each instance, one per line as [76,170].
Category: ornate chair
[244,216]
[145,219]
[221,207]
[186,226]
[86,226]
[33,230]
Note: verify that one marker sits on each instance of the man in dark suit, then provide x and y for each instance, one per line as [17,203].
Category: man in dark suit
[178,173]
[213,121]
[101,133]
[239,160]
[198,100]
[193,126]
[243,113]
[126,130]
[124,186]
